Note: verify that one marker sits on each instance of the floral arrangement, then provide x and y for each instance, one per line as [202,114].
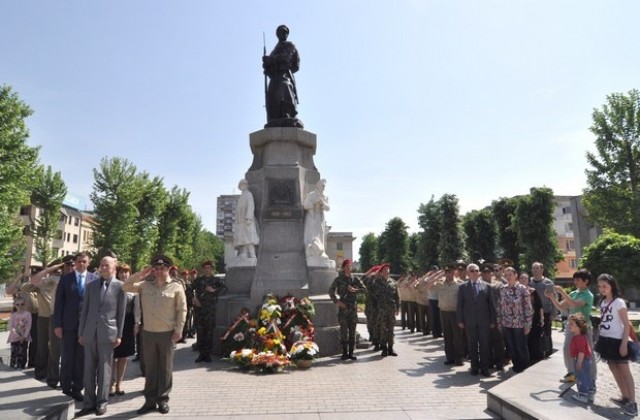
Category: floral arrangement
[243,358]
[241,334]
[269,362]
[262,344]
[270,310]
[270,339]
[304,350]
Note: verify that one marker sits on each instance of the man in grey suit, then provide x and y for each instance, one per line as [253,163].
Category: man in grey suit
[477,315]
[100,331]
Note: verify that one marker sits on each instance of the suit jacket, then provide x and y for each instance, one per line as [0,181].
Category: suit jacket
[475,309]
[66,311]
[102,319]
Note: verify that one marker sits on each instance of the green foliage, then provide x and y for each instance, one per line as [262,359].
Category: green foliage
[615,254]
[504,210]
[414,247]
[534,224]
[368,257]
[151,204]
[208,247]
[18,164]
[116,193]
[481,233]
[48,195]
[450,245]
[612,196]
[174,213]
[430,223]
[396,246]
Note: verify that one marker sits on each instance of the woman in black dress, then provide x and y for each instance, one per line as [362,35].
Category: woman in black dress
[127,347]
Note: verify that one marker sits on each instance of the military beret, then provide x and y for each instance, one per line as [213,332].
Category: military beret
[161,260]
[207,263]
[174,267]
[345,262]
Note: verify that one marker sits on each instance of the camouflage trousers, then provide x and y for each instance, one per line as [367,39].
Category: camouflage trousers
[386,321]
[348,319]
[205,321]
[372,324]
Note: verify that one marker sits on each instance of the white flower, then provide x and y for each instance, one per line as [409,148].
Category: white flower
[239,337]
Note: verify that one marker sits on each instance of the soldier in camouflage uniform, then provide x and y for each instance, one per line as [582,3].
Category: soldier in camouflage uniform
[206,290]
[388,302]
[370,308]
[347,287]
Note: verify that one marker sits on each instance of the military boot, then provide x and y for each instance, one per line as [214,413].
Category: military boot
[345,355]
[384,353]
[376,346]
[391,352]
[351,356]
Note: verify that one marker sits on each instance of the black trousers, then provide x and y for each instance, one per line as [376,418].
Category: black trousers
[479,339]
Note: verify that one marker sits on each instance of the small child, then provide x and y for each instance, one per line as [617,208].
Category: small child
[19,334]
[580,351]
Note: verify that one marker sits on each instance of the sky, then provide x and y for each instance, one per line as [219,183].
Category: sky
[409,99]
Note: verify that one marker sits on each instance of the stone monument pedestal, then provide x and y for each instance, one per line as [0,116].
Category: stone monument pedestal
[281,175]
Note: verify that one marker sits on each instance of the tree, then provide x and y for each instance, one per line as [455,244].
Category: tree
[504,210]
[152,202]
[615,254]
[18,164]
[612,196]
[48,195]
[115,196]
[208,246]
[367,252]
[170,221]
[533,223]
[414,247]
[429,220]
[396,240]
[480,231]
[450,245]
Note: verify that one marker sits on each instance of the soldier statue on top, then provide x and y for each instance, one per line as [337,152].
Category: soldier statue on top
[281,95]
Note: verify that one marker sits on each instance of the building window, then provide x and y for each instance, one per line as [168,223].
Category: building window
[75,239]
[568,227]
[339,246]
[76,222]
[571,245]
[68,237]
[25,210]
[572,263]
[63,218]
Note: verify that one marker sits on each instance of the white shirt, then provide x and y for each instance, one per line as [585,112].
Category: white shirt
[611,325]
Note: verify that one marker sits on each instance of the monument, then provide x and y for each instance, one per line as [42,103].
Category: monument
[288,194]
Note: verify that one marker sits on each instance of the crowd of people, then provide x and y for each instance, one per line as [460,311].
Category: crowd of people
[491,316]
[77,328]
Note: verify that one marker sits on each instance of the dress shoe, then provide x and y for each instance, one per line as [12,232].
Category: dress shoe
[146,409]
[102,408]
[52,385]
[201,358]
[449,362]
[85,412]
[384,353]
[474,371]
[392,353]
[459,363]
[163,407]
[208,359]
[352,357]
[485,373]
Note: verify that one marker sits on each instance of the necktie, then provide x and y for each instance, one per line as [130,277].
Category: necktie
[475,289]
[103,290]
[81,285]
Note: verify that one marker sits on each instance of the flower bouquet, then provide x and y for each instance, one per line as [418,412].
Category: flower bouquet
[270,339]
[303,352]
[243,358]
[269,362]
[270,310]
[241,334]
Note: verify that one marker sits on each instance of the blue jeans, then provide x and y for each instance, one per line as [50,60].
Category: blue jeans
[583,376]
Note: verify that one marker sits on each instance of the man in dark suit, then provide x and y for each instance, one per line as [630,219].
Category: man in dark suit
[66,316]
[477,315]
[100,331]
